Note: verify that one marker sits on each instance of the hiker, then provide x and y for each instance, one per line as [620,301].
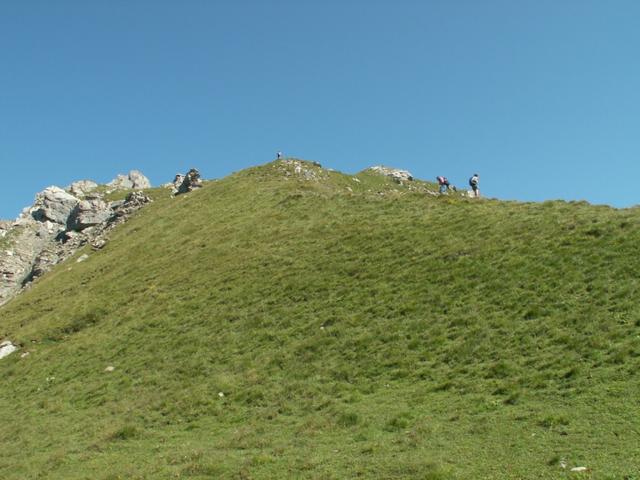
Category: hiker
[444,184]
[279,155]
[473,183]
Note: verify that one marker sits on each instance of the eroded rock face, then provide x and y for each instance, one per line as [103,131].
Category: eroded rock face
[394,173]
[89,213]
[17,258]
[56,226]
[4,228]
[82,188]
[53,204]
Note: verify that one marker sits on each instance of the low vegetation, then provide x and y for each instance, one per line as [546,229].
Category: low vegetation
[274,326]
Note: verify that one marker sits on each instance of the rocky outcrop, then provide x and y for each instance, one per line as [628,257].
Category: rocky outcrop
[53,204]
[134,180]
[395,174]
[187,183]
[90,212]
[55,227]
[81,188]
[25,242]
[4,228]
[311,171]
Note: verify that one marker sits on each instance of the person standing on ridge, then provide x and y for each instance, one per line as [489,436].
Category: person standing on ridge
[444,184]
[279,155]
[474,184]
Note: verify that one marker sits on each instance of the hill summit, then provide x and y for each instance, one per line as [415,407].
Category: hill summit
[290,321]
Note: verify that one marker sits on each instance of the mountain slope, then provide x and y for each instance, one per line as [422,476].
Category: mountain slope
[288,321]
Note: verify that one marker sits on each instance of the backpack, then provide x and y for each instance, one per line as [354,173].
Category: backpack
[473,181]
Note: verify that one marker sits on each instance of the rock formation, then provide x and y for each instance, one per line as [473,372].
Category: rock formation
[187,183]
[53,204]
[134,180]
[81,188]
[88,213]
[57,225]
[310,171]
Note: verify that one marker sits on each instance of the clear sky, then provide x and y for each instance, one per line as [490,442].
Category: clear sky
[540,97]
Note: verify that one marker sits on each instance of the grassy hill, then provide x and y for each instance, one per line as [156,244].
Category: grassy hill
[283,325]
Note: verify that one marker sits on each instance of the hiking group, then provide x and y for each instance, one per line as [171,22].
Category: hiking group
[474,183]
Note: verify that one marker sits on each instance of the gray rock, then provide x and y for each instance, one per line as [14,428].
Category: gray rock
[89,213]
[310,171]
[98,243]
[134,180]
[53,204]
[139,181]
[55,227]
[121,182]
[82,187]
[190,181]
[7,348]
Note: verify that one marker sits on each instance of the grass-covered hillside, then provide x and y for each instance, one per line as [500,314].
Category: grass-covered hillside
[282,324]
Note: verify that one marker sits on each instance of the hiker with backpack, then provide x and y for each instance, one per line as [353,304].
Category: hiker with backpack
[473,183]
[444,184]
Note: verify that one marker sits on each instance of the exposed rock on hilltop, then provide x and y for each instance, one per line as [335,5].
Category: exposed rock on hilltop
[311,171]
[82,187]
[394,173]
[53,204]
[186,183]
[58,223]
[134,180]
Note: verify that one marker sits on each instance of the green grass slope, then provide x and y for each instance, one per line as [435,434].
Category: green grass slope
[270,326]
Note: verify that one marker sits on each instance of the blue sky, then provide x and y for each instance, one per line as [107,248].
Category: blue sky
[540,97]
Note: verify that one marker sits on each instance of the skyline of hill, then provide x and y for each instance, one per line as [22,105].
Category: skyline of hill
[289,321]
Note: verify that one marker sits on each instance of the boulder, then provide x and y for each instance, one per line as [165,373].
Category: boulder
[87,213]
[395,174]
[139,181]
[7,348]
[54,204]
[190,182]
[82,187]
[134,180]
